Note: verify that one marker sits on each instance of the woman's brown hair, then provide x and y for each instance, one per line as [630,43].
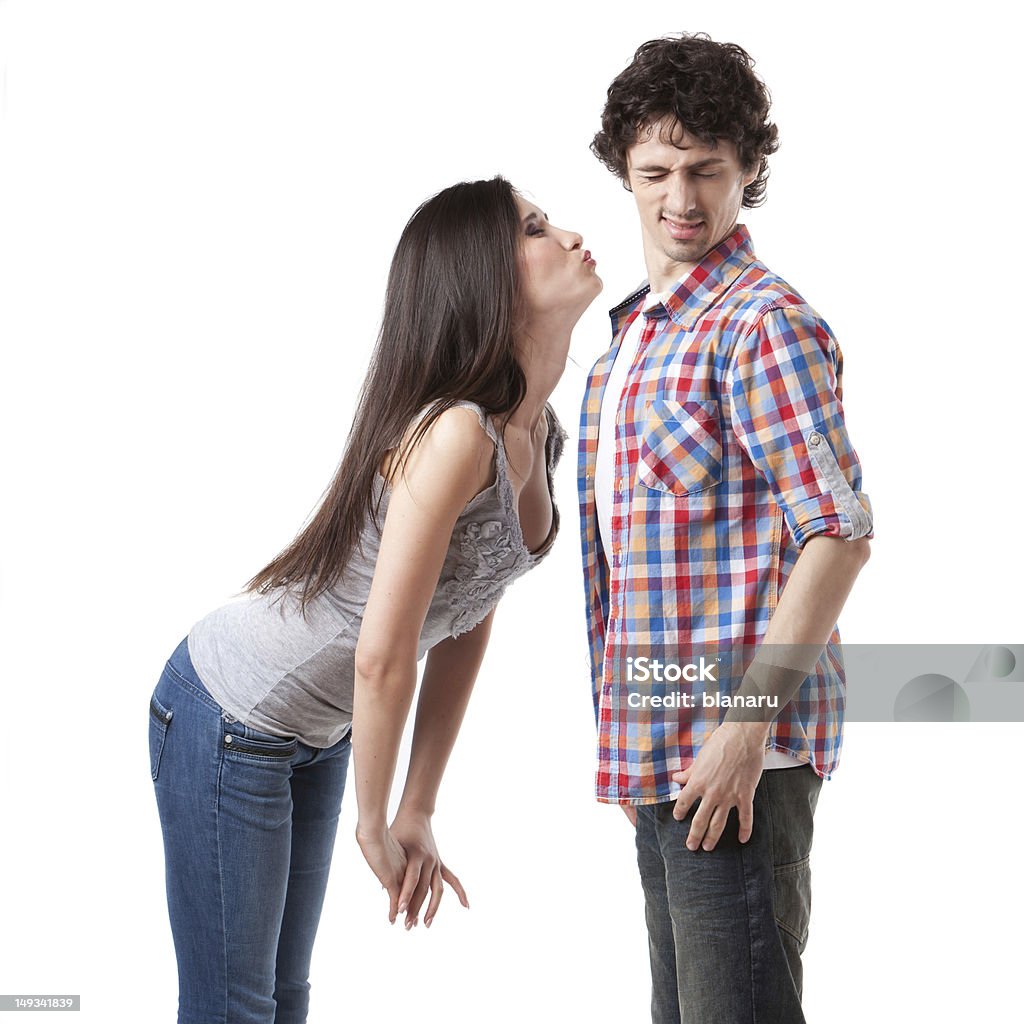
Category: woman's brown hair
[446,335]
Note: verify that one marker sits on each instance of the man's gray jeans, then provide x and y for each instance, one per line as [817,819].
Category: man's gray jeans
[726,928]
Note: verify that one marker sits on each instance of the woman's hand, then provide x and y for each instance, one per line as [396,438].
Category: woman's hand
[423,869]
[387,859]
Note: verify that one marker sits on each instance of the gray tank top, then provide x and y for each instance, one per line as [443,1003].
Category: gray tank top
[280,673]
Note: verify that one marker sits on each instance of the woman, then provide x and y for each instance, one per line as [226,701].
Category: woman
[443,497]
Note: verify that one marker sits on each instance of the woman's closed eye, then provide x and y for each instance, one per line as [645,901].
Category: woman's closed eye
[535,222]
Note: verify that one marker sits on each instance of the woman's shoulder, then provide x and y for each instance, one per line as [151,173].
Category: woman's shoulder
[456,450]
[463,425]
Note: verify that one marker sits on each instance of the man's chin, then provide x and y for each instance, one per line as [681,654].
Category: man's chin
[688,252]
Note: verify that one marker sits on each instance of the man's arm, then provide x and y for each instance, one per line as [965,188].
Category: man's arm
[786,413]
[727,768]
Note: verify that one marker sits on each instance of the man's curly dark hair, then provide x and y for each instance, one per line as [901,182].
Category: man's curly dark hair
[711,90]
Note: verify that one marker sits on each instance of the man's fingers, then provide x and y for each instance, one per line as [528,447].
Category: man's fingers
[746,820]
[716,826]
[684,802]
[630,811]
[699,825]
[456,885]
[436,889]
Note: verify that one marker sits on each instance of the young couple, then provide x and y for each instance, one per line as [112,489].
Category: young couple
[720,503]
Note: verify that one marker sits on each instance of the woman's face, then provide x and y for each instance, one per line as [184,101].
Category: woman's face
[559,277]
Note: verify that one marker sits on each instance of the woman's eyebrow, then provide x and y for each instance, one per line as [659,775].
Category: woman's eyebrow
[533,216]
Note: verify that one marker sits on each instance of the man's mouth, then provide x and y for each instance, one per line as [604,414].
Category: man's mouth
[682,230]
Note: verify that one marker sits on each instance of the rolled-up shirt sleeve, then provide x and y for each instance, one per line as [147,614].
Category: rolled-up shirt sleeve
[786,413]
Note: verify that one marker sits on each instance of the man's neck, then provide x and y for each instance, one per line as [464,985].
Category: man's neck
[666,274]
[663,272]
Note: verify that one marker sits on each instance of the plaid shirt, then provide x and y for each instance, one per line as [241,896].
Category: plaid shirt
[731,452]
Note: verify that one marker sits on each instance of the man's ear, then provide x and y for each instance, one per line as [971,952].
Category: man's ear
[749,177]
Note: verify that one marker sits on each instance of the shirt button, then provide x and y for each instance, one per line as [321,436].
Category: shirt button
[814,440]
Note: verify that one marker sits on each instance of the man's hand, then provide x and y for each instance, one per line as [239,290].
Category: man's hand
[724,775]
[630,812]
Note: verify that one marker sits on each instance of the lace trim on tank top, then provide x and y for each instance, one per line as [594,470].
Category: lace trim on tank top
[493,553]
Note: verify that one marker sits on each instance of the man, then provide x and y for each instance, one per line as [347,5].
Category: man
[721,511]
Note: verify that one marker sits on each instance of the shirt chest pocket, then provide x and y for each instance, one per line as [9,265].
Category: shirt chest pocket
[681,447]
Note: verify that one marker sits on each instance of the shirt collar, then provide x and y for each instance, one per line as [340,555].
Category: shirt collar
[689,297]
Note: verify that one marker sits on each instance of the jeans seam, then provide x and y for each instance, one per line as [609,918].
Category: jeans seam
[791,867]
[782,926]
[191,687]
[220,886]
[750,937]
[771,854]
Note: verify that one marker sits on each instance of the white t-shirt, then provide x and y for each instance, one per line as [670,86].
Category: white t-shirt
[604,470]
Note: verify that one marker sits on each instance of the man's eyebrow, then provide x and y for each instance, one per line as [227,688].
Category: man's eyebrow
[706,162]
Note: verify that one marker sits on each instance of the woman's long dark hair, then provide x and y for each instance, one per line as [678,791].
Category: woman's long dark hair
[446,335]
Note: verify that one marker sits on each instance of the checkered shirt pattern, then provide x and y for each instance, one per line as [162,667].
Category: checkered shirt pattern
[731,451]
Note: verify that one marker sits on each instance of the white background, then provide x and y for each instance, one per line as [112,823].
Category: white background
[198,205]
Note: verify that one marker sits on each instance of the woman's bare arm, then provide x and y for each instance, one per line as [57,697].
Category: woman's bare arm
[448,467]
[452,668]
[451,671]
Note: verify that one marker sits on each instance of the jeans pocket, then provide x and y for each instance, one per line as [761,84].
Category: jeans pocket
[242,742]
[159,721]
[792,892]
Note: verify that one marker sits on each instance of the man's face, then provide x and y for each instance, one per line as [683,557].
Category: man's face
[688,195]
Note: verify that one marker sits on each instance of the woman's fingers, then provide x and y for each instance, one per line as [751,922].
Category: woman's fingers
[436,889]
[388,863]
[394,890]
[419,895]
[456,885]
[412,878]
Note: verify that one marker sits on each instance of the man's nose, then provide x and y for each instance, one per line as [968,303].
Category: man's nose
[679,195]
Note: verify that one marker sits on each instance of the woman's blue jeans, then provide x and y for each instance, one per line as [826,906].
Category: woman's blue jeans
[248,822]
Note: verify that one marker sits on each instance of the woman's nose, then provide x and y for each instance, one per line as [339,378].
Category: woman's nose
[572,240]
